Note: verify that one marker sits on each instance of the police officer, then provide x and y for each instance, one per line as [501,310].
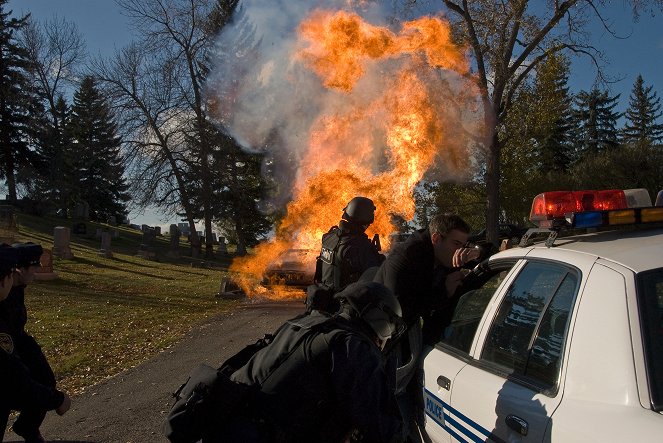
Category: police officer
[323,379]
[14,312]
[18,388]
[346,254]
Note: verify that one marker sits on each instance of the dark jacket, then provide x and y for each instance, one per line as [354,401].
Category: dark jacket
[408,271]
[18,388]
[333,381]
[345,254]
[13,313]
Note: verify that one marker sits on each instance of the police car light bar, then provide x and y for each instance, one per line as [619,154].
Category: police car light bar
[557,210]
[583,209]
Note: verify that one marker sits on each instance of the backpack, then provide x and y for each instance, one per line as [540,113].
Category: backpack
[208,394]
[209,400]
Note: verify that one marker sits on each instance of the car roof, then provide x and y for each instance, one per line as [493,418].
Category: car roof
[639,249]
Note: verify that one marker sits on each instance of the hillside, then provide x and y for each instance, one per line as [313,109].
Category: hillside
[103,315]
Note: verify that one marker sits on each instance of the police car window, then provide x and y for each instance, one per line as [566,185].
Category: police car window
[527,335]
[650,304]
[469,310]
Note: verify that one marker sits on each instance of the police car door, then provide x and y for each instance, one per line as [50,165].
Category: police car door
[511,387]
[452,353]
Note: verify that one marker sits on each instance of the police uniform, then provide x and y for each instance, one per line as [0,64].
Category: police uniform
[333,381]
[13,313]
[346,254]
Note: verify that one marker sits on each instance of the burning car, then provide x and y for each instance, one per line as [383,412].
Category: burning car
[294,267]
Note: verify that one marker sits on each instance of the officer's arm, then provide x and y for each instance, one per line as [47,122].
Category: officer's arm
[360,384]
[21,390]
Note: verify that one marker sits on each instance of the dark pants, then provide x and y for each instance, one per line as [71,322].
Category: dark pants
[29,420]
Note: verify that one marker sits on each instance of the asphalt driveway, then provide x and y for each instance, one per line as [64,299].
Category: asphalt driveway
[131,406]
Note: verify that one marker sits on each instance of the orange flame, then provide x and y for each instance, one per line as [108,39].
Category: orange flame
[380,135]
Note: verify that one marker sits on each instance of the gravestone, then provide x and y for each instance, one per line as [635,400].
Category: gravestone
[112,220]
[45,272]
[157,231]
[80,228]
[61,238]
[145,249]
[8,225]
[174,250]
[105,250]
[82,211]
[222,246]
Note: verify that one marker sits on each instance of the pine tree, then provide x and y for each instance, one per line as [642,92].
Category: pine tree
[99,163]
[595,122]
[18,102]
[554,108]
[642,115]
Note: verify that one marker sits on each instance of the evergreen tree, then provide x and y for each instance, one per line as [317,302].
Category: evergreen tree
[554,107]
[642,115]
[18,102]
[99,164]
[595,122]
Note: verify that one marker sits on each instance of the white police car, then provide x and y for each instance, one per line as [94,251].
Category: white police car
[560,341]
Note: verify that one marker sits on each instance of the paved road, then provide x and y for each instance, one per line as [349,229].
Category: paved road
[131,406]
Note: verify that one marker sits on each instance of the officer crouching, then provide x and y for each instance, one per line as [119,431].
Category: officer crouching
[19,389]
[323,378]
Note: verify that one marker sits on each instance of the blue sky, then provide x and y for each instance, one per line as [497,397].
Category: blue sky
[105,29]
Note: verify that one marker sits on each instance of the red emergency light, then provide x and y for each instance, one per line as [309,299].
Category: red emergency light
[556,204]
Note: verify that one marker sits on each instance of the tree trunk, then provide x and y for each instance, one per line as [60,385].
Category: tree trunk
[492,178]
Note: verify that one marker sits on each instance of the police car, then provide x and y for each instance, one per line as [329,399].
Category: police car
[560,339]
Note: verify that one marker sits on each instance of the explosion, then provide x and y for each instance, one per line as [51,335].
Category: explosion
[395,105]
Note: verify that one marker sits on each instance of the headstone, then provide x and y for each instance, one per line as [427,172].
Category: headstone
[157,231]
[135,227]
[222,246]
[145,228]
[214,238]
[174,250]
[8,225]
[145,249]
[112,220]
[61,238]
[105,249]
[45,272]
[80,228]
[82,211]
[184,228]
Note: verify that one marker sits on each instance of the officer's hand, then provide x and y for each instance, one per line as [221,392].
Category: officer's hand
[464,255]
[64,407]
[452,282]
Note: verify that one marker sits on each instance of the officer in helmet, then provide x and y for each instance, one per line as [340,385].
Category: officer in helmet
[346,254]
[19,390]
[323,378]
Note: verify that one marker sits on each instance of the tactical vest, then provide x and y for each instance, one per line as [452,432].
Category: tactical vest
[296,401]
[336,272]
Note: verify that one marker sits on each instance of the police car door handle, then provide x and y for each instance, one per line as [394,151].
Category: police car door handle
[443,382]
[517,424]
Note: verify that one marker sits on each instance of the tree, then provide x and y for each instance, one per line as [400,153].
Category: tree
[99,166]
[643,112]
[18,101]
[507,41]
[595,122]
[553,136]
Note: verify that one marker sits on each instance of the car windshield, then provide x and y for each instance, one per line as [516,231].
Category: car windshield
[650,301]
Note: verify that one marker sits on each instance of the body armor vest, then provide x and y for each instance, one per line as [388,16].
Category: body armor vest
[295,393]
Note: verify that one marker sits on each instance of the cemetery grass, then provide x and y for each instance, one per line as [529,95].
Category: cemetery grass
[104,315]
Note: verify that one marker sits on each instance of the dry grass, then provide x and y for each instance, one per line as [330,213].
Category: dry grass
[103,315]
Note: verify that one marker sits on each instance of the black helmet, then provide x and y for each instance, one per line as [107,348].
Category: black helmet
[360,210]
[376,305]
